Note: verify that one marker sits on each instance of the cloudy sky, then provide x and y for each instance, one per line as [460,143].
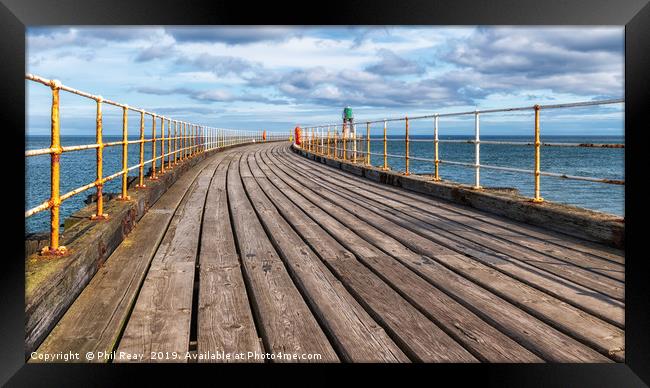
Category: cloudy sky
[277,77]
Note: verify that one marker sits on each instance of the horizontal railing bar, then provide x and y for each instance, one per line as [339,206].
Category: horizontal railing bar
[42,151]
[511,169]
[584,178]
[472,112]
[111,177]
[44,206]
[78,190]
[79,147]
[496,142]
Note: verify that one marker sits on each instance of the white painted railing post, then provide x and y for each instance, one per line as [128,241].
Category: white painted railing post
[477,152]
[354,142]
[322,137]
[436,160]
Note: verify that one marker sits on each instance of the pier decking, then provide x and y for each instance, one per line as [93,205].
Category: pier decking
[257,249]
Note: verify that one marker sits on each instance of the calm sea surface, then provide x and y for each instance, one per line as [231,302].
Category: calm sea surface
[78,169]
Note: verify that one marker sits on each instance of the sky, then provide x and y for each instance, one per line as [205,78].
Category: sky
[274,78]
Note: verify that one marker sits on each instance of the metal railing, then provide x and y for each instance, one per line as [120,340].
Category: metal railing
[325,140]
[182,141]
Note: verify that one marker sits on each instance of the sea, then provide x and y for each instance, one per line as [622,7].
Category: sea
[78,168]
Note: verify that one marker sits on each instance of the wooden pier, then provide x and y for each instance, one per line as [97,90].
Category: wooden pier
[258,249]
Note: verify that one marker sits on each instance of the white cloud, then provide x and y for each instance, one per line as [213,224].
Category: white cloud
[277,73]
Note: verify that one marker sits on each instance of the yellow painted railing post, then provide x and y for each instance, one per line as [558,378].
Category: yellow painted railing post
[175,142]
[354,143]
[345,145]
[436,158]
[477,152]
[169,144]
[406,137]
[141,168]
[99,214]
[385,167]
[336,142]
[125,154]
[537,198]
[162,145]
[328,141]
[55,171]
[154,177]
[184,142]
[368,144]
[178,139]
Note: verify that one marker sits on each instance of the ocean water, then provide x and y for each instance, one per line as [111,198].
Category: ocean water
[78,168]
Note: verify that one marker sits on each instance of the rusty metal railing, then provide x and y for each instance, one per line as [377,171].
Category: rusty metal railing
[352,144]
[178,141]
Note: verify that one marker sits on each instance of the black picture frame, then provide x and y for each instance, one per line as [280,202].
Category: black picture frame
[634,14]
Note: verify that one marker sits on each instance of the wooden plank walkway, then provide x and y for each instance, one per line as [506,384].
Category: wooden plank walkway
[257,250]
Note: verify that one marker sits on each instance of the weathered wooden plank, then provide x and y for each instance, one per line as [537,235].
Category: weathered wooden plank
[531,238]
[613,310]
[520,245]
[52,286]
[582,269]
[597,304]
[224,318]
[284,320]
[538,336]
[487,343]
[159,326]
[96,318]
[356,335]
[552,241]
[580,222]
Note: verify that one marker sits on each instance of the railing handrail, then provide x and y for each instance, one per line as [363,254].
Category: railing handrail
[471,112]
[184,141]
[315,135]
